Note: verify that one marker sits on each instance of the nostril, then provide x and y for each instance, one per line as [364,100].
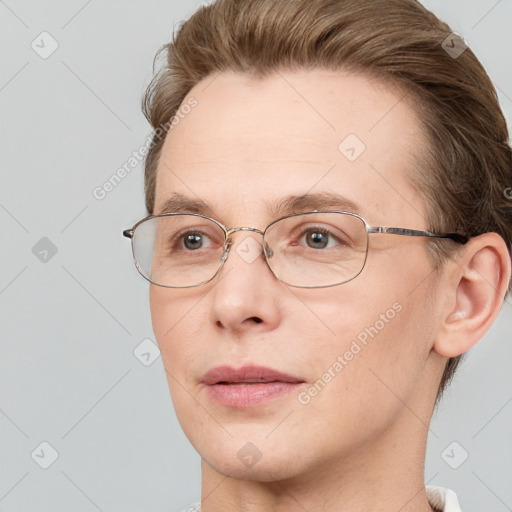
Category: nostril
[257,319]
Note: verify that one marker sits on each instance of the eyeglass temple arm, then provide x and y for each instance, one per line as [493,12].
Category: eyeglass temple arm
[128,233]
[457,237]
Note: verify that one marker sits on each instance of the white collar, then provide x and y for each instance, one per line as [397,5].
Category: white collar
[443,498]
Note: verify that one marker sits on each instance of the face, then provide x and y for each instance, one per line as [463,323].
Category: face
[357,352]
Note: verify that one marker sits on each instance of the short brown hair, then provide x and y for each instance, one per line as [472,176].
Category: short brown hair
[467,168]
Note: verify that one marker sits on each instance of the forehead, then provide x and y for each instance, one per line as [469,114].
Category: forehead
[249,143]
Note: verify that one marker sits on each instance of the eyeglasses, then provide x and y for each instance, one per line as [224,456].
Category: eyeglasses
[314,249]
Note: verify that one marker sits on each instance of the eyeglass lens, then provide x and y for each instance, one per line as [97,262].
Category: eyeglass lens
[306,250]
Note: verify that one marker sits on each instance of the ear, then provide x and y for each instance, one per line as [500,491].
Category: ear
[476,285]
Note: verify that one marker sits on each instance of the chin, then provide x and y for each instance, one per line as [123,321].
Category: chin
[267,469]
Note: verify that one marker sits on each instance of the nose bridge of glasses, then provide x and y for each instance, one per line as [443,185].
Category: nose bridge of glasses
[229,239]
[234,230]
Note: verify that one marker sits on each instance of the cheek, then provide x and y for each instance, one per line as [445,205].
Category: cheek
[368,372]
[382,337]
[176,323]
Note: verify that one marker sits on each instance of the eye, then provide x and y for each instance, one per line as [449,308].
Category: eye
[321,238]
[317,239]
[192,241]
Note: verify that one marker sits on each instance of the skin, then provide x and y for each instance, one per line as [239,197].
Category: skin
[359,444]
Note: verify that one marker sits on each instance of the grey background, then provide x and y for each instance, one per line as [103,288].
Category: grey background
[70,325]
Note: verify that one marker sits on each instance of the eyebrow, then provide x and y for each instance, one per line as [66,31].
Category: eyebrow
[179,203]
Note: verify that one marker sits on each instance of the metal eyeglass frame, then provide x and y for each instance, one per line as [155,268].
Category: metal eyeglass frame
[129,233]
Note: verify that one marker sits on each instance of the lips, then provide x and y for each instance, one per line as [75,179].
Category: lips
[246,374]
[248,386]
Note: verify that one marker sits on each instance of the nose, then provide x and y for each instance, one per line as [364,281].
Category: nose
[266,249]
[246,295]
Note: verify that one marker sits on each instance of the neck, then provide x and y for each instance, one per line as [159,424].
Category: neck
[385,475]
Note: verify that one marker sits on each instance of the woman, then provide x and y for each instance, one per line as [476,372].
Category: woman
[306,343]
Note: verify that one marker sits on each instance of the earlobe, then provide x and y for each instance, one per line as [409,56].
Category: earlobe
[476,286]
